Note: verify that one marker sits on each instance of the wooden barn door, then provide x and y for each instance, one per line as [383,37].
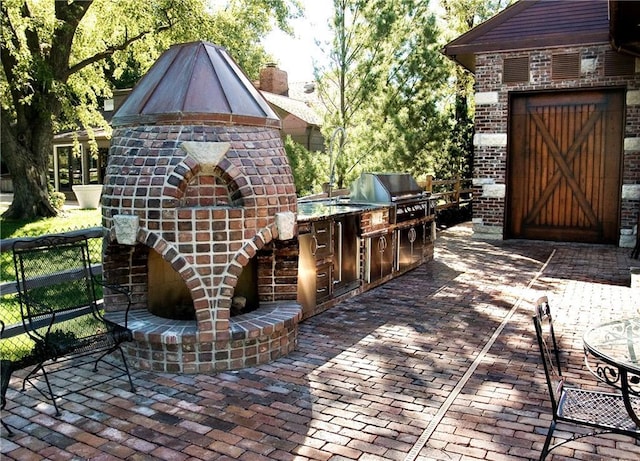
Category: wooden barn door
[564,166]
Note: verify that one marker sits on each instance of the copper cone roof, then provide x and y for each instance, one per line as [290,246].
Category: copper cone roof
[193,83]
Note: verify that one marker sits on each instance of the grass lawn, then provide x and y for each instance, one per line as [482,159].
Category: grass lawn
[68,219]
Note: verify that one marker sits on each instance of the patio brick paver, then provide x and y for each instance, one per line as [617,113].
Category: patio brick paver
[440,364]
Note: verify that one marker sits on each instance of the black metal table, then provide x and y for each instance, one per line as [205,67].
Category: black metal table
[612,354]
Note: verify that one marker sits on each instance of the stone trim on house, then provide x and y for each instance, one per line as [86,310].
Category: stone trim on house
[531,51]
[492,122]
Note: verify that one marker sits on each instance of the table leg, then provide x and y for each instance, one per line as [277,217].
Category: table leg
[630,395]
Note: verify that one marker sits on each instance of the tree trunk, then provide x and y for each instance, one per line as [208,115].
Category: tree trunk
[27,131]
[25,150]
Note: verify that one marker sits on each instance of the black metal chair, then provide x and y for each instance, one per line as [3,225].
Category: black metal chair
[61,311]
[602,411]
[6,368]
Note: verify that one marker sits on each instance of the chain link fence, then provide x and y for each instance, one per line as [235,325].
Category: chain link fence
[14,343]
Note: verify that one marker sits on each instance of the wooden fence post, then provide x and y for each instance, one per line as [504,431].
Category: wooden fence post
[429,183]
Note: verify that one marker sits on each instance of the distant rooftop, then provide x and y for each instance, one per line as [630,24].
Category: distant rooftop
[301,109]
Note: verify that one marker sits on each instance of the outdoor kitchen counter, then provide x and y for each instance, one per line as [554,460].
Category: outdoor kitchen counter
[321,209]
[332,249]
[351,243]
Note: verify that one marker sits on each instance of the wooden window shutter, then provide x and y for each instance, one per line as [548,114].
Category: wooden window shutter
[618,64]
[565,66]
[515,70]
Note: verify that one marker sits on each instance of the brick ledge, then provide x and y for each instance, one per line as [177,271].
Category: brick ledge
[269,318]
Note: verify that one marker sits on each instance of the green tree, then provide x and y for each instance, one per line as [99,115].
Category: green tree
[463,15]
[345,84]
[408,121]
[383,86]
[59,58]
[304,166]
[456,158]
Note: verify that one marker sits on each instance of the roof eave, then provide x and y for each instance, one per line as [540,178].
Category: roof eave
[624,27]
[466,60]
[465,54]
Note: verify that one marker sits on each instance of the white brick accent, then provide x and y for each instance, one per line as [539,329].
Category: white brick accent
[588,65]
[286,224]
[126,227]
[483,181]
[490,139]
[631,191]
[494,190]
[627,241]
[207,154]
[482,232]
[486,97]
[631,144]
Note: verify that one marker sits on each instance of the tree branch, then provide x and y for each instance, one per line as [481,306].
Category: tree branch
[112,49]
[9,66]
[69,15]
[9,62]
[7,25]
[30,32]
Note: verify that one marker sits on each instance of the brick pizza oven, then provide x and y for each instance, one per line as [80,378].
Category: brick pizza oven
[199,205]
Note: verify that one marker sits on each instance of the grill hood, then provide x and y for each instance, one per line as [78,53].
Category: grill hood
[385,188]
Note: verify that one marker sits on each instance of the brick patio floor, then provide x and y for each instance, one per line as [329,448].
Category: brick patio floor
[439,364]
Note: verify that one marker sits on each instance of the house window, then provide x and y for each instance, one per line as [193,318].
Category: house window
[515,70]
[66,167]
[96,164]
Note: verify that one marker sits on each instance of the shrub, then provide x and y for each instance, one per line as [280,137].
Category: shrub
[56,198]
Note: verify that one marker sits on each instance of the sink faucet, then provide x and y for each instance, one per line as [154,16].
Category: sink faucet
[332,161]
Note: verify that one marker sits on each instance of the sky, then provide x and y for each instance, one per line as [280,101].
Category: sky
[296,55]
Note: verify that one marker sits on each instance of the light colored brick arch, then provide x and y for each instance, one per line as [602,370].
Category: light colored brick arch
[218,165]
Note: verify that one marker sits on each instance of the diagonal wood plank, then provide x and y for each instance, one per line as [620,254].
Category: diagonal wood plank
[564,170]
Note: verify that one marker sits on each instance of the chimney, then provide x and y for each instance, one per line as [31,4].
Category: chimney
[119,96]
[274,80]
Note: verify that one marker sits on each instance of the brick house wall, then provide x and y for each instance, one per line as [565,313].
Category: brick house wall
[492,120]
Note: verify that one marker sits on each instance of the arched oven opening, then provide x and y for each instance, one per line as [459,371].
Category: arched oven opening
[168,294]
[245,296]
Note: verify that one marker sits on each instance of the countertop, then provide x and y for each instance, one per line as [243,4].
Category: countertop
[313,210]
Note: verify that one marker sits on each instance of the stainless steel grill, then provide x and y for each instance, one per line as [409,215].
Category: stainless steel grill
[407,199]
